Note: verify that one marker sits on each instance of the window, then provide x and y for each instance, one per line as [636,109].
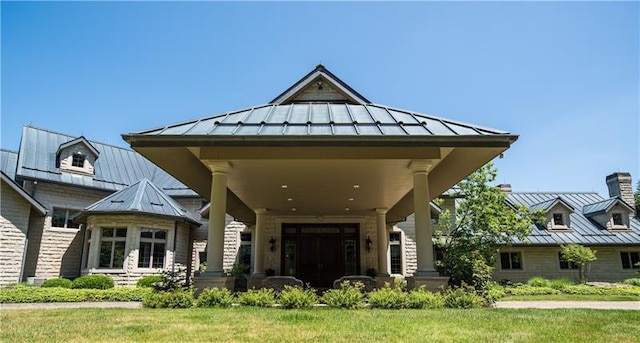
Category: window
[152,250]
[511,260]
[244,254]
[564,264]
[395,250]
[63,217]
[558,219]
[112,245]
[617,219]
[77,160]
[630,259]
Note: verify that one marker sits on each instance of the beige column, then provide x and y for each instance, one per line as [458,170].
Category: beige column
[424,241]
[383,244]
[217,212]
[259,243]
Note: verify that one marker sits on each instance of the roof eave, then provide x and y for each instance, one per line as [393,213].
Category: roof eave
[82,217]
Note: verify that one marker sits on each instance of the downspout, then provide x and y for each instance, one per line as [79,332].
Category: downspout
[189,256]
[175,240]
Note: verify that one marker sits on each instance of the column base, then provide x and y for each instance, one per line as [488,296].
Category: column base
[431,283]
[255,281]
[204,281]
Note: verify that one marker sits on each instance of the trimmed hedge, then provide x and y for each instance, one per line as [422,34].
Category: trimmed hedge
[296,297]
[347,296]
[215,297]
[57,282]
[174,299]
[59,294]
[264,297]
[149,280]
[95,281]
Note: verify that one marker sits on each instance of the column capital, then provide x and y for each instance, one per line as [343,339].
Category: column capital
[260,211]
[381,211]
[420,166]
[218,166]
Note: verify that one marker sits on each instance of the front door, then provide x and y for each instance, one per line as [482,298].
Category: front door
[318,254]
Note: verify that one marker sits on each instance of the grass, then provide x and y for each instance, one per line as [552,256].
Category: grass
[245,324]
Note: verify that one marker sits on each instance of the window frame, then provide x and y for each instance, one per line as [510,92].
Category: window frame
[245,247]
[75,157]
[67,218]
[113,240]
[512,254]
[153,241]
[567,265]
[629,259]
[623,225]
[398,245]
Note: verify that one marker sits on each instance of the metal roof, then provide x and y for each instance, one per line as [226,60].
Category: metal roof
[8,162]
[583,230]
[549,204]
[603,206]
[143,197]
[115,168]
[322,119]
[34,203]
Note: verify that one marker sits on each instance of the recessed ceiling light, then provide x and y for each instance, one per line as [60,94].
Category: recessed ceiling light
[290,199]
[356,186]
[350,199]
[346,209]
[284,186]
[293,209]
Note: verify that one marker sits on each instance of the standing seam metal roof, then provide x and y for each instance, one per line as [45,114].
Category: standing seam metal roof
[325,119]
[583,230]
[115,168]
[8,162]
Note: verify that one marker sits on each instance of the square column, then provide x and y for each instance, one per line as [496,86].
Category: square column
[424,233]
[259,244]
[217,213]
[383,244]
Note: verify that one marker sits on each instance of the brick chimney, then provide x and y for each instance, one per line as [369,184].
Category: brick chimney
[619,185]
[505,187]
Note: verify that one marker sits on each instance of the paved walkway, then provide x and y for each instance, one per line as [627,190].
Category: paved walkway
[601,305]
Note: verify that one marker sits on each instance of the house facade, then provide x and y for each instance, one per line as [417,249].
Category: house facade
[317,184]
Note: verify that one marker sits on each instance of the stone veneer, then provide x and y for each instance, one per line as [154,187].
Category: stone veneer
[14,223]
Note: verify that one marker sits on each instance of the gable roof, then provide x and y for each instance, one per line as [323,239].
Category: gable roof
[583,230]
[116,168]
[79,140]
[549,204]
[604,206]
[8,162]
[16,187]
[319,74]
[143,197]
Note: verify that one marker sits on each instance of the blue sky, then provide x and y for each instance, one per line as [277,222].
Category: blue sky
[563,76]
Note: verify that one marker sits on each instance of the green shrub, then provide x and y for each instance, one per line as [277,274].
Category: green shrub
[296,297]
[495,291]
[463,297]
[215,297]
[57,294]
[421,298]
[560,283]
[591,290]
[632,282]
[528,290]
[175,299]
[57,282]
[387,297]
[347,296]
[148,281]
[264,297]
[96,281]
[539,282]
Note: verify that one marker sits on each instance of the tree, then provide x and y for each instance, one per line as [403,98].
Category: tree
[636,197]
[470,236]
[579,255]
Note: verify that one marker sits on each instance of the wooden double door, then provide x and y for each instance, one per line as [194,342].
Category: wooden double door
[318,254]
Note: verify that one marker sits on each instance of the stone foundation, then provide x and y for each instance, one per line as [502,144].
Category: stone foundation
[431,283]
[202,282]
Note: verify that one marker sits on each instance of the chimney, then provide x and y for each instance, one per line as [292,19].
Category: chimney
[619,185]
[505,187]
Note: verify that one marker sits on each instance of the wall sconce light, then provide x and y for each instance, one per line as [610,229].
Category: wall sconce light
[272,244]
[368,244]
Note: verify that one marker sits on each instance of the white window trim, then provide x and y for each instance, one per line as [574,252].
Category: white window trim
[522,262]
[625,221]
[403,254]
[168,249]
[127,250]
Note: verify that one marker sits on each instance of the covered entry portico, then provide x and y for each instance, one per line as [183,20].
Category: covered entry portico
[320,153]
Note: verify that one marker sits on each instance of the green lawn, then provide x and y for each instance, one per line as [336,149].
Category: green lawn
[571,297]
[319,325]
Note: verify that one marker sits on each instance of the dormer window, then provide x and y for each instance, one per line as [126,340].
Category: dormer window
[617,219]
[78,160]
[558,220]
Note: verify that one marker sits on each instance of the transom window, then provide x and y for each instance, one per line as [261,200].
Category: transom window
[558,219]
[63,217]
[112,247]
[152,250]
[395,251]
[77,160]
[511,261]
[630,259]
[564,264]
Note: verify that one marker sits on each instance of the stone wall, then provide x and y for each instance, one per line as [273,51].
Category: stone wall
[14,224]
[544,262]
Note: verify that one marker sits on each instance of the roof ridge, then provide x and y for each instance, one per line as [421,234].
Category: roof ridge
[76,137]
[9,150]
[556,192]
